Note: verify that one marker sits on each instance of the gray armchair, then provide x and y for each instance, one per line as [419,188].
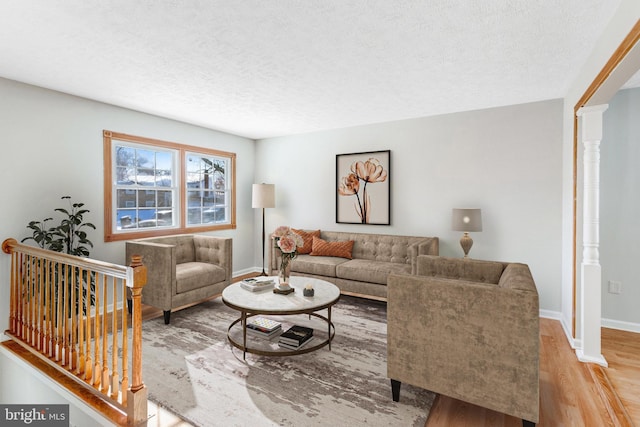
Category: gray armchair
[182,269]
[467,329]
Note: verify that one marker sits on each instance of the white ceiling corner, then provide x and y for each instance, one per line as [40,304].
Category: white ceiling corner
[267,68]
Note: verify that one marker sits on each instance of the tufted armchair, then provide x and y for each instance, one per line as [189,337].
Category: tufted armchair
[182,269]
[467,329]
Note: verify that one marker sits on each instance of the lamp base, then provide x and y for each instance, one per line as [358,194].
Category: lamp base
[466,242]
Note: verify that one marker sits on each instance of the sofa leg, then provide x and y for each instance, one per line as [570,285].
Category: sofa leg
[395,390]
[167,316]
[526,423]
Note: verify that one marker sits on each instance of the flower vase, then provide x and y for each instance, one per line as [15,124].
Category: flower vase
[285,272]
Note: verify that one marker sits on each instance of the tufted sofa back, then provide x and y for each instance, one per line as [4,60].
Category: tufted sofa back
[384,247]
[185,250]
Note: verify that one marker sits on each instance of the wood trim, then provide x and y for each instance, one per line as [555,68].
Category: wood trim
[616,58]
[182,149]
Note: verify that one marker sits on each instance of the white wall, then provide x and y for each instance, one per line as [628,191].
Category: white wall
[21,384]
[507,161]
[620,209]
[52,146]
[620,25]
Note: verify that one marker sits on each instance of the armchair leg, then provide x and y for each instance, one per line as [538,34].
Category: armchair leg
[395,390]
[526,423]
[167,316]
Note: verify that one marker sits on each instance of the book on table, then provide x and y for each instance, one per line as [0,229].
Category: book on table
[255,284]
[295,347]
[296,336]
[263,325]
[267,335]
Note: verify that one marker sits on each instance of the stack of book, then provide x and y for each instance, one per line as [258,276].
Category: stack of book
[295,337]
[255,284]
[263,327]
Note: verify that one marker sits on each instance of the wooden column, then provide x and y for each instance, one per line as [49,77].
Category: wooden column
[591,280]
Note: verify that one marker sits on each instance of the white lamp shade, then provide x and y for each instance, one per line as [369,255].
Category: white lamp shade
[263,196]
[466,220]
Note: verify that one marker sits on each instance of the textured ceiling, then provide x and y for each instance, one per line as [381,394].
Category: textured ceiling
[266,68]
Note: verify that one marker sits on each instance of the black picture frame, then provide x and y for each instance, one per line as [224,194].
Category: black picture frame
[363,190]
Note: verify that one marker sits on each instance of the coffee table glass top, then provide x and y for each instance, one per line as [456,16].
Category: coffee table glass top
[269,302]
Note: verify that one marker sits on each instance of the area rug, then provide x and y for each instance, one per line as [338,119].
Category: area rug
[191,370]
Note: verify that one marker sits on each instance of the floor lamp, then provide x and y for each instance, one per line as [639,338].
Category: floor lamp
[263,196]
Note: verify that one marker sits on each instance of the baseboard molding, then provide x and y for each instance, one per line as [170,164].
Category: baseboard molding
[556,315]
[549,314]
[619,324]
[249,270]
[599,360]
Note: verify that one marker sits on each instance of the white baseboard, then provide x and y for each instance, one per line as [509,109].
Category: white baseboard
[619,324]
[600,360]
[556,315]
[247,271]
[549,314]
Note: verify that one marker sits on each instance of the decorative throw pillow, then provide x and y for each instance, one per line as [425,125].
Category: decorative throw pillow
[338,249]
[307,238]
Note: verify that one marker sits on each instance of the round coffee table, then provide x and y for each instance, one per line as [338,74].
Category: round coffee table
[269,303]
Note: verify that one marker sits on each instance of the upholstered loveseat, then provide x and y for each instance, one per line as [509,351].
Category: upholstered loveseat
[372,258]
[183,269]
[467,329]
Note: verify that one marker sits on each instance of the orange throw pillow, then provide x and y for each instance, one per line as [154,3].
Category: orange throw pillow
[338,249]
[307,238]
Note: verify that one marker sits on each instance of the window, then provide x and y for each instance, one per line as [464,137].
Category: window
[157,188]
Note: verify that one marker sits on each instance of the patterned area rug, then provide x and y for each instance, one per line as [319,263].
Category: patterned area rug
[191,370]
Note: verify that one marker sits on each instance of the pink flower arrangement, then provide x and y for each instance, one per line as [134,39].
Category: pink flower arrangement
[288,242]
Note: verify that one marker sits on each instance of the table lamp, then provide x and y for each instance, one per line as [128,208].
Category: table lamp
[466,220]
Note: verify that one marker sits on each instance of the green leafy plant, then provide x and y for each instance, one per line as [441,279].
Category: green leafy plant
[68,237]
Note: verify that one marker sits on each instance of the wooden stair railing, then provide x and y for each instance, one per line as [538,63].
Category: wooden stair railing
[64,309]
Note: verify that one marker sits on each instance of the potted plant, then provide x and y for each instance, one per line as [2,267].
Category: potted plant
[68,237]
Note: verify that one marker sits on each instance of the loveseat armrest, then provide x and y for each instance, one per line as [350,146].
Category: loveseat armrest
[426,246]
[160,260]
[215,250]
[476,342]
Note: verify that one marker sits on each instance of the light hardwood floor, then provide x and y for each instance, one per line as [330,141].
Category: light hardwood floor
[569,396]
[622,351]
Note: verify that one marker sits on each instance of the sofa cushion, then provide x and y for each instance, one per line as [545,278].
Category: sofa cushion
[195,275]
[363,270]
[457,268]
[316,265]
[307,238]
[340,249]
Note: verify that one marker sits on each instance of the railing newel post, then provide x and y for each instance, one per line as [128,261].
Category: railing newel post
[137,393]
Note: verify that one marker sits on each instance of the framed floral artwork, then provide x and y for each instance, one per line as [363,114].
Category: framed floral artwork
[363,190]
